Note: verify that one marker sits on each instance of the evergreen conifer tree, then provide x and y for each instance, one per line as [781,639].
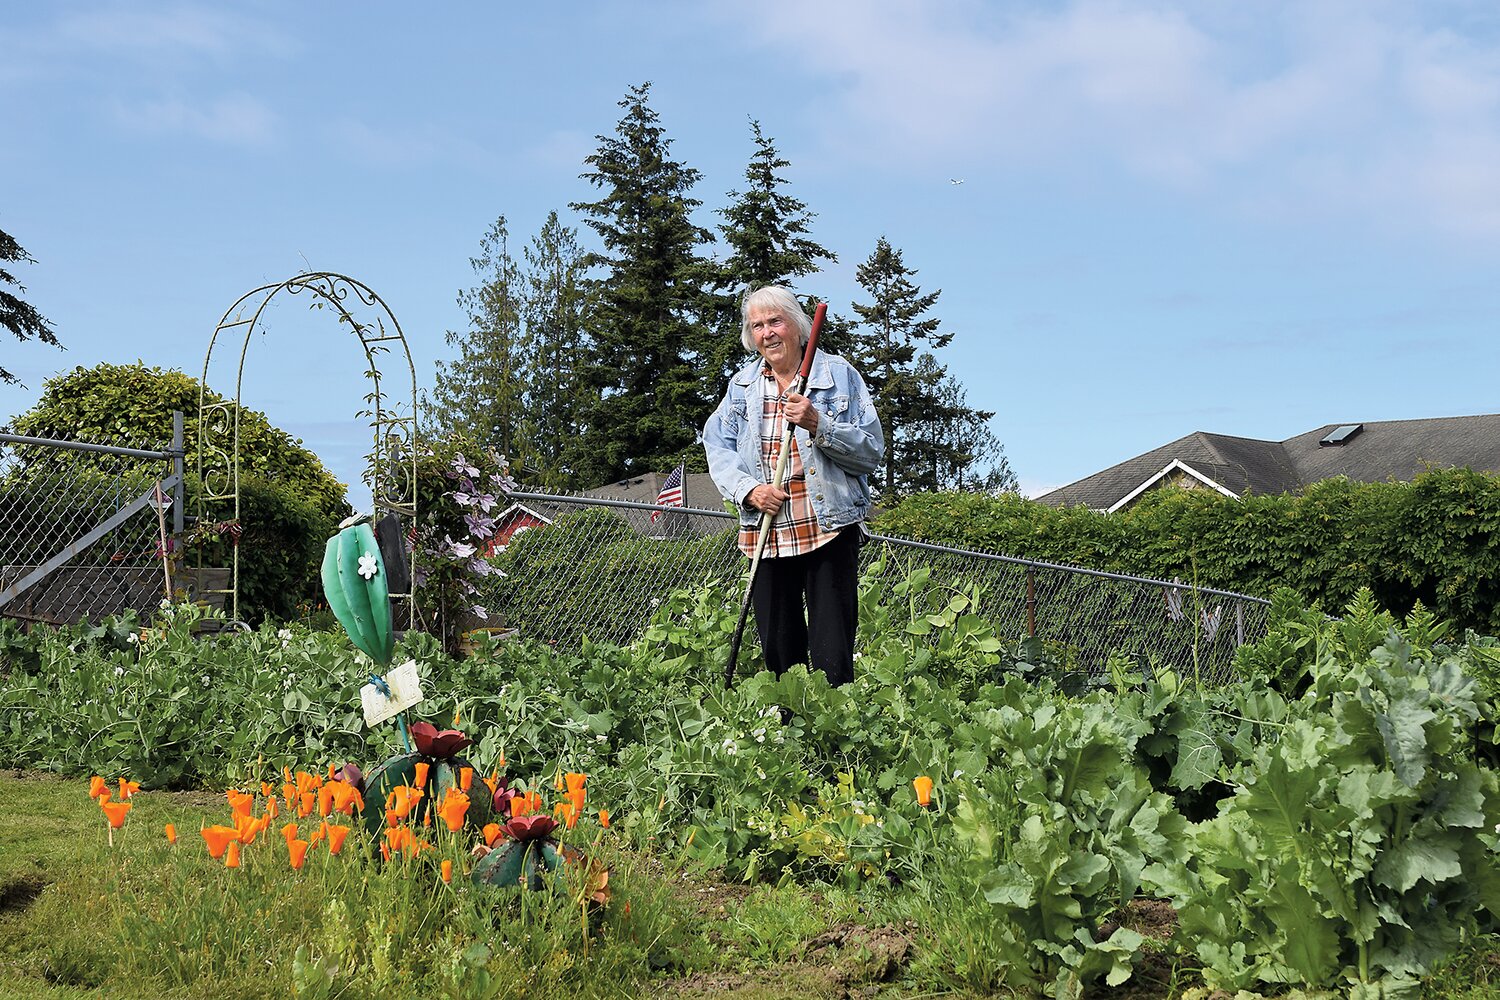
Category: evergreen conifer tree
[481,390]
[555,310]
[651,368]
[16,315]
[932,437]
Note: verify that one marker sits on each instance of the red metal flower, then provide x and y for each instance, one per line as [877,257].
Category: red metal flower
[441,744]
[533,827]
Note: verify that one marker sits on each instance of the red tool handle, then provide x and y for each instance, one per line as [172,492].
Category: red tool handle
[812,342]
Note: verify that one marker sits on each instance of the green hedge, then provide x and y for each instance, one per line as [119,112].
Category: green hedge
[589,573]
[1435,540]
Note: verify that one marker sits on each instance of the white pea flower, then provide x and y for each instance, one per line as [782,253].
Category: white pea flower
[119,671]
[205,680]
[958,774]
[283,633]
[367,568]
[760,735]
[132,638]
[730,748]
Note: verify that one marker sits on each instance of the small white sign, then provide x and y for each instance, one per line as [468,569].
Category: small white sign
[406,691]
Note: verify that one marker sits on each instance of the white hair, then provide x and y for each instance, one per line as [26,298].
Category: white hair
[773,298]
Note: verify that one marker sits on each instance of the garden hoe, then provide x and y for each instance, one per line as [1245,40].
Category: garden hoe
[778,480]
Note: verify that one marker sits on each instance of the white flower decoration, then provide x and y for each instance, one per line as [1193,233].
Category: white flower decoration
[367,568]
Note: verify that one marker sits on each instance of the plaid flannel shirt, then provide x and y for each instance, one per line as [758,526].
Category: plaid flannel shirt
[794,531]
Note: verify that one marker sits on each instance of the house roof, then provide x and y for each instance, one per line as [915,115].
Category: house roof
[698,491]
[1380,451]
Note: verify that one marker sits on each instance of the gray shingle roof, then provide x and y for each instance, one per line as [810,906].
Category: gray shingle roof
[1383,450]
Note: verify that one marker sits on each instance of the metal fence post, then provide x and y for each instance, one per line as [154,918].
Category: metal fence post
[178,457]
[1030,601]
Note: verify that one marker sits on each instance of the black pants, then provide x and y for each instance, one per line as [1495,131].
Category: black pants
[828,578]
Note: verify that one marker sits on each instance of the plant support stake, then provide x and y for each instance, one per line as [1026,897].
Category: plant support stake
[778,480]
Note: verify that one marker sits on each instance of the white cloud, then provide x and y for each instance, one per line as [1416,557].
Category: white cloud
[238,119]
[147,33]
[1324,107]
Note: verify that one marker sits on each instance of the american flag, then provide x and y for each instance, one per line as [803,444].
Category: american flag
[671,491]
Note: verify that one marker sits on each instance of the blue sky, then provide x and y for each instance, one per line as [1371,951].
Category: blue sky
[1248,218]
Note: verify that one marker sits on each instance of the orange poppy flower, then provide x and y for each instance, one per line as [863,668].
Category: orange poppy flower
[97,787]
[128,788]
[321,833]
[575,796]
[171,832]
[422,767]
[336,835]
[218,838]
[385,851]
[245,829]
[575,780]
[308,782]
[115,813]
[455,805]
[342,796]
[492,832]
[568,812]
[525,804]
[466,779]
[604,818]
[232,856]
[289,831]
[306,803]
[267,790]
[241,803]
[325,799]
[923,787]
[289,793]
[296,853]
[447,867]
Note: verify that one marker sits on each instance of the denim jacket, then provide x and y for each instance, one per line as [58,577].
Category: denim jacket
[838,461]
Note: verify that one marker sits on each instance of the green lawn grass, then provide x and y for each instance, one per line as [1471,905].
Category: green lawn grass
[143,919]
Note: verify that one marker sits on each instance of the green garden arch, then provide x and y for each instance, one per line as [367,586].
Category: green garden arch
[392,467]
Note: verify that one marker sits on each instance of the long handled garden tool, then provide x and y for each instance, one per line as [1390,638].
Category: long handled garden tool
[778,480]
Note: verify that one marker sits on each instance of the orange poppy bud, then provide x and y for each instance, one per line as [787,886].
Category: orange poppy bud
[385,851]
[232,856]
[171,832]
[273,808]
[466,778]
[422,767]
[447,870]
[558,784]
[115,813]
[923,786]
[604,818]
[336,835]
[458,711]
[296,853]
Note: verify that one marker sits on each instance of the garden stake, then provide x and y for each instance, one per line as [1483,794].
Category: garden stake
[778,479]
[161,524]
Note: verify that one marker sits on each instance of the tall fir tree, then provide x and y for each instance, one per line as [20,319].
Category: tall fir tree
[650,364]
[951,446]
[555,313]
[920,406]
[766,231]
[481,391]
[16,314]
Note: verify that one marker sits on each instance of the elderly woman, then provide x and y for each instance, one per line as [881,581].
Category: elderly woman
[817,526]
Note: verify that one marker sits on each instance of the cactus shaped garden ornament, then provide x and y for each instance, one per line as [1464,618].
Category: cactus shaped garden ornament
[354,582]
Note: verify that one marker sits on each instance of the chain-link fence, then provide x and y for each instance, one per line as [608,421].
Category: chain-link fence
[81,536]
[583,566]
